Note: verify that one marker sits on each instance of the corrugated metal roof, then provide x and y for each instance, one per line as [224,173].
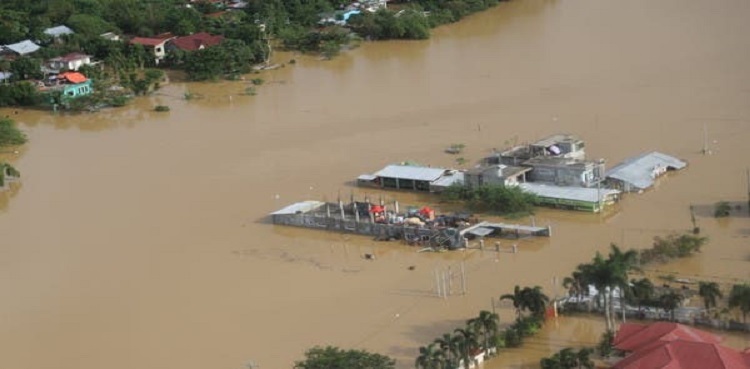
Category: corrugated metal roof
[481,231]
[568,193]
[411,172]
[300,207]
[58,31]
[639,171]
[449,179]
[24,47]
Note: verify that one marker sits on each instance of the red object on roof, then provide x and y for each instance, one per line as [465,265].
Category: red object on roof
[685,355]
[72,77]
[632,337]
[197,41]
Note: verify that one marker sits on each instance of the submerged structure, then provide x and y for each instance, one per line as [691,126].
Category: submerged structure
[412,177]
[416,226]
[639,173]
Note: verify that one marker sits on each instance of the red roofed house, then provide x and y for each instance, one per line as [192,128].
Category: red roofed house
[196,41]
[675,346]
[154,43]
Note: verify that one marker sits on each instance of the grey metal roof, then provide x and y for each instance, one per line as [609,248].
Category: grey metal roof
[481,231]
[367,177]
[639,170]
[411,172]
[567,192]
[58,31]
[300,207]
[449,179]
[24,47]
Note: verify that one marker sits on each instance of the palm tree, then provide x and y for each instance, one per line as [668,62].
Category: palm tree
[709,291]
[535,300]
[620,263]
[486,324]
[575,284]
[448,345]
[642,290]
[430,357]
[467,344]
[516,298]
[740,298]
[670,301]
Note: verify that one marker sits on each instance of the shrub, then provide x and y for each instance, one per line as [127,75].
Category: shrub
[722,209]
[257,81]
[161,108]
[10,134]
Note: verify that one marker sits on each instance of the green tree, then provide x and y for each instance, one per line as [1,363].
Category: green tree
[739,298]
[486,325]
[330,357]
[10,135]
[7,171]
[709,292]
[642,290]
[467,344]
[448,345]
[670,301]
[430,357]
[517,299]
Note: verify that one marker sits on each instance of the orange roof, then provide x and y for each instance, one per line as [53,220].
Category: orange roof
[632,337]
[73,77]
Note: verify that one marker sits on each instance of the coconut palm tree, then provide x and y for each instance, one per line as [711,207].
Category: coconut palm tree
[430,357]
[740,298]
[535,300]
[576,284]
[467,344]
[517,299]
[486,324]
[448,345]
[620,264]
[670,301]
[709,292]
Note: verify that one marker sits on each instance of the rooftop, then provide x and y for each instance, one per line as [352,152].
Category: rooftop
[568,192]
[24,47]
[58,31]
[151,41]
[300,207]
[632,336]
[506,171]
[558,138]
[415,173]
[197,41]
[71,57]
[639,170]
[557,161]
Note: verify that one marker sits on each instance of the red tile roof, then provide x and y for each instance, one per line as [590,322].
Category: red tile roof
[146,41]
[632,337]
[685,355]
[197,41]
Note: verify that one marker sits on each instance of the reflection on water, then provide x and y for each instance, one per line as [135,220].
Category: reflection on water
[137,238]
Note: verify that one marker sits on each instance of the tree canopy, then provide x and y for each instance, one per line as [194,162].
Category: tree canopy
[330,357]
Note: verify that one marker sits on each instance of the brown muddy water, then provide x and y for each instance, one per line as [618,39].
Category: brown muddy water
[139,239]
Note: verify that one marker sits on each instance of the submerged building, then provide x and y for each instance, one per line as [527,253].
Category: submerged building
[639,173]
[412,177]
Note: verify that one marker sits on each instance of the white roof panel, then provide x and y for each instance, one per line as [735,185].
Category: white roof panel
[411,172]
[24,47]
[58,31]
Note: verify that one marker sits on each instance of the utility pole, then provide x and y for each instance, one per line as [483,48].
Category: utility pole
[705,140]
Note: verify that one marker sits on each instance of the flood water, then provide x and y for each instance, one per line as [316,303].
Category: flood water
[140,239]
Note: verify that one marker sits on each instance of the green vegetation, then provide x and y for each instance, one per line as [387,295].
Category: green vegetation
[527,299]
[10,135]
[161,108]
[739,298]
[330,357]
[19,94]
[671,247]
[709,292]
[7,171]
[495,198]
[569,358]
[606,345]
[722,210]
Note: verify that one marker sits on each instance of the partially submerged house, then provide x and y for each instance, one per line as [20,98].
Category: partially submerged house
[639,173]
[572,197]
[410,177]
[498,174]
[564,171]
[559,145]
